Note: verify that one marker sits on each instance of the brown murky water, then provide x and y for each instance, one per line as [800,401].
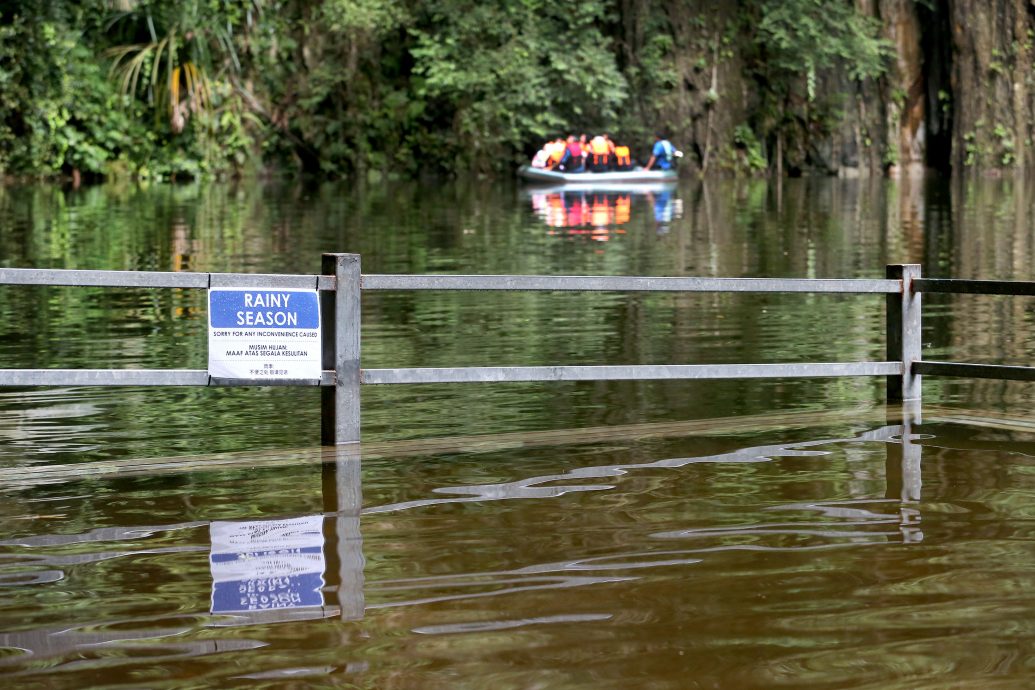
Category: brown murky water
[707,534]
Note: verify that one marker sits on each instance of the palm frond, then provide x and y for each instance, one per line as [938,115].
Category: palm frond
[175,67]
[174,87]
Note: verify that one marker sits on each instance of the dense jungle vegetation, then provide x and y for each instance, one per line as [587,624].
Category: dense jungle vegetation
[157,89]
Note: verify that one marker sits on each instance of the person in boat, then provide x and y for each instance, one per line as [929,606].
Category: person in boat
[599,157]
[549,155]
[662,156]
[611,160]
[540,159]
[555,150]
[623,160]
[573,160]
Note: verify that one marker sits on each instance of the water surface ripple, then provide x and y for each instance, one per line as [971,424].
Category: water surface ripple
[798,561]
[194,537]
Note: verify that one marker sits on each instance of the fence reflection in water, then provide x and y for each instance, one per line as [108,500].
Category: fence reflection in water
[336,535]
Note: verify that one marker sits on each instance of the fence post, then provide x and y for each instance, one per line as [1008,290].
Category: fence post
[340,321]
[903,328]
[902,471]
[343,541]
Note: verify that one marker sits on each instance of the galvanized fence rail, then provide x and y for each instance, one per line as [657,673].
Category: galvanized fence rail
[342,283]
[975,287]
[341,423]
[147,279]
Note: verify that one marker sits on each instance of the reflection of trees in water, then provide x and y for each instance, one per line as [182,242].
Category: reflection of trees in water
[245,552]
[819,227]
[981,229]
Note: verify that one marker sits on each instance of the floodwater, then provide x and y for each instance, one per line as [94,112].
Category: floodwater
[723,534]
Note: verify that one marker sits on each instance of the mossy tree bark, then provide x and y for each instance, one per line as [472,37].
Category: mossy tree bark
[991,83]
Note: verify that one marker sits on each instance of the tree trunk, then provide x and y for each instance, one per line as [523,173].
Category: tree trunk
[906,111]
[957,96]
[711,107]
[1022,43]
[991,67]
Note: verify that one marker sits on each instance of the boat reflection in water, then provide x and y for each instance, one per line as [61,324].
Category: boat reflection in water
[598,212]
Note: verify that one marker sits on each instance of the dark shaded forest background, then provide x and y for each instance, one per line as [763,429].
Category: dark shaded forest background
[94,89]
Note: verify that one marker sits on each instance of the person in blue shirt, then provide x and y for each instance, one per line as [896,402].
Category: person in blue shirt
[661,156]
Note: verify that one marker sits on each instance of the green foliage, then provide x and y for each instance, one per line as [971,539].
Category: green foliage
[796,41]
[747,143]
[891,155]
[803,35]
[181,60]
[504,74]
[971,150]
[158,89]
[60,112]
[376,17]
[57,110]
[1007,151]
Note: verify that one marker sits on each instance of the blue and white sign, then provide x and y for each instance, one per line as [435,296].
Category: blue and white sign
[267,564]
[258,333]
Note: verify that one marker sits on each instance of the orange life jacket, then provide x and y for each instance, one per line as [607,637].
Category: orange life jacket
[555,149]
[622,156]
[601,153]
[599,146]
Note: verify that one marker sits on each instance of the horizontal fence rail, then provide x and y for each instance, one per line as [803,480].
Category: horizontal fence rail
[104,377]
[341,284]
[1017,288]
[142,377]
[151,280]
[1002,372]
[635,372]
[159,279]
[975,287]
[625,284]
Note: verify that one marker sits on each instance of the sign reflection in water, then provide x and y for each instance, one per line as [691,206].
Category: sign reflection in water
[285,564]
[598,213]
[296,547]
[267,564]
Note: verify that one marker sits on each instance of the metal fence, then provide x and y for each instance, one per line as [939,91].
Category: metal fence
[342,283]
